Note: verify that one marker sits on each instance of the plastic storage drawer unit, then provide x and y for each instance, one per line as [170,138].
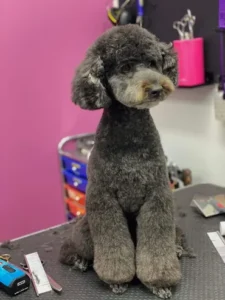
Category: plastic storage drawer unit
[74,208]
[75,194]
[75,166]
[75,181]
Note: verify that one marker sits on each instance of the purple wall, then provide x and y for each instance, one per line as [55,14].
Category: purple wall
[222,13]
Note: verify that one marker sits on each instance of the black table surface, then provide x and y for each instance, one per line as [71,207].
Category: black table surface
[203,277]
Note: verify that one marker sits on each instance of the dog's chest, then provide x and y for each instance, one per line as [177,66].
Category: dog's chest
[133,184]
[131,199]
[130,175]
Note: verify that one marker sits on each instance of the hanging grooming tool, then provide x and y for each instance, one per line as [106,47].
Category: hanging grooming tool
[180,27]
[187,20]
[191,23]
[140,12]
[126,14]
[115,4]
[116,14]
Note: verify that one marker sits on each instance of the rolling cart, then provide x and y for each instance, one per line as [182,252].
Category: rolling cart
[73,153]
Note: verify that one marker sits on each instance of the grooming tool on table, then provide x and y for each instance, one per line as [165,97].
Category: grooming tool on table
[37,272]
[209,205]
[55,286]
[13,280]
[222,228]
[218,242]
[5,257]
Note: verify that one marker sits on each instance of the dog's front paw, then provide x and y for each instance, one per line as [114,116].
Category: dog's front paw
[119,288]
[162,293]
[80,264]
[115,269]
[188,252]
[179,251]
[159,272]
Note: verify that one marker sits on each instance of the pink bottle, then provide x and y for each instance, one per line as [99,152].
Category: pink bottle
[190,62]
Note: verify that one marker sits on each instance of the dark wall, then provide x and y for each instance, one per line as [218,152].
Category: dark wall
[160,14]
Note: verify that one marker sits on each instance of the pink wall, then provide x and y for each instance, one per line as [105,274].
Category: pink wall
[41,43]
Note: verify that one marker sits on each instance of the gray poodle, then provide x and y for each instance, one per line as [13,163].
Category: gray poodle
[129,228]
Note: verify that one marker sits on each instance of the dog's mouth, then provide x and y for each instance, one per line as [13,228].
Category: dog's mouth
[151,94]
[147,105]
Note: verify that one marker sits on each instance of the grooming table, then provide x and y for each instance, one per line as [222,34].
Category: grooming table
[203,277]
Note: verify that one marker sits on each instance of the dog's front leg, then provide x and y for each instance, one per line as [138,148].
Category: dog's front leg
[114,257]
[157,263]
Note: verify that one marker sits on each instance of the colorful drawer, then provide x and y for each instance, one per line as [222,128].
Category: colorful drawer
[70,216]
[74,166]
[75,194]
[78,182]
[75,208]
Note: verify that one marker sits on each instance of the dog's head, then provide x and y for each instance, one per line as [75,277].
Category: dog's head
[127,64]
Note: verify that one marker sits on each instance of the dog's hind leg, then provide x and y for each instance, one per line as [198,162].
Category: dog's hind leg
[78,250]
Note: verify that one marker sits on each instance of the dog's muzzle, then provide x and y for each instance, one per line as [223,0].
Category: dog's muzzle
[155,91]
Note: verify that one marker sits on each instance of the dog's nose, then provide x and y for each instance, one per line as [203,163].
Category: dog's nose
[155,91]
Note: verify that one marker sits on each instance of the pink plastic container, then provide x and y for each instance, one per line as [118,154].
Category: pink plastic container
[190,62]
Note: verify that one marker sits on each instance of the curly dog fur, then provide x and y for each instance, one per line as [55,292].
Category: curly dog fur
[129,228]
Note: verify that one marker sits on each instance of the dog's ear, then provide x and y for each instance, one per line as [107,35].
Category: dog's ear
[88,90]
[169,66]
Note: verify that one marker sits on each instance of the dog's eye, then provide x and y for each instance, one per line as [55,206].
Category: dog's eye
[126,68]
